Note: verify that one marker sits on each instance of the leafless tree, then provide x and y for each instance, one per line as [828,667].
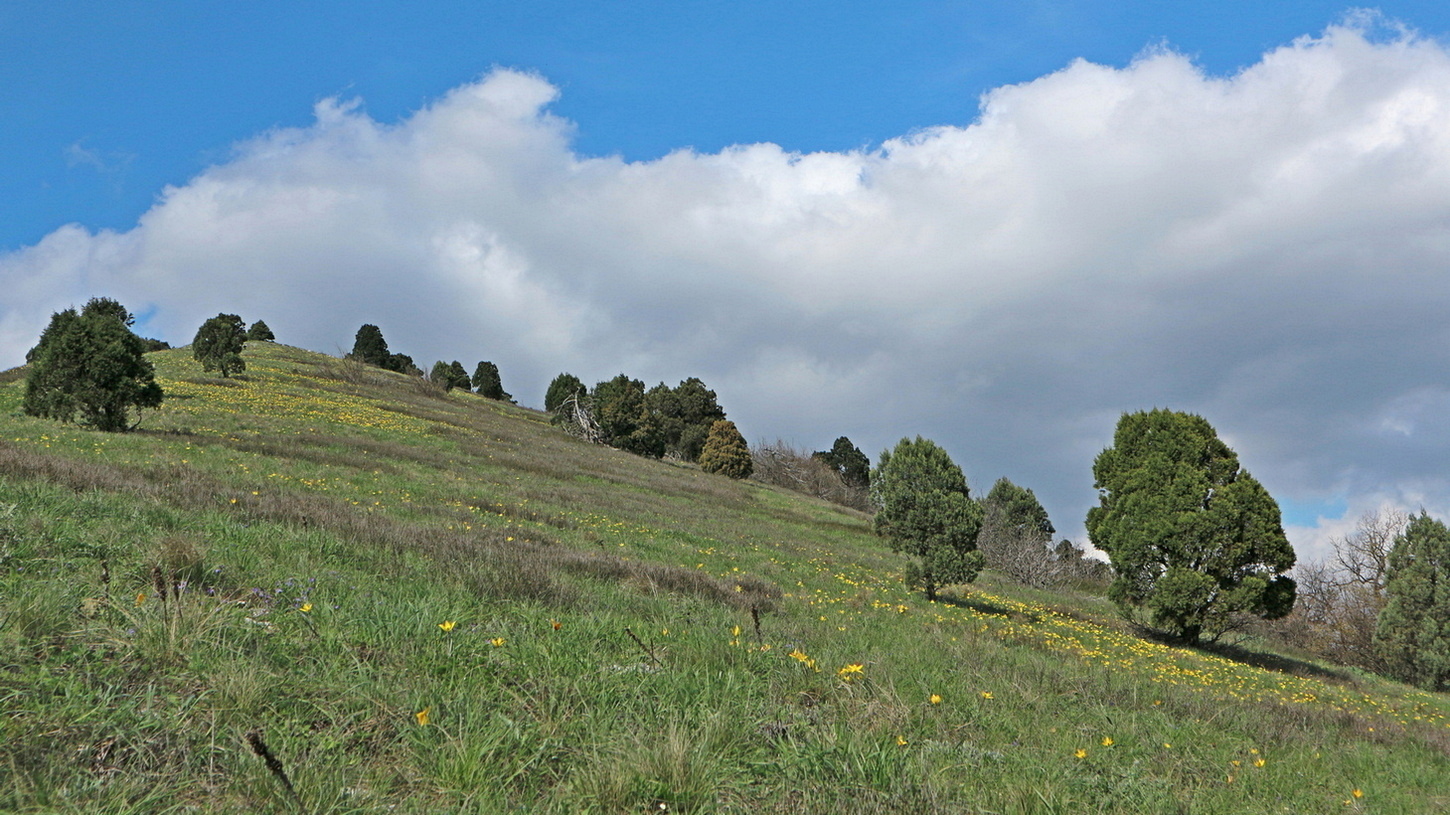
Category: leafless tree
[783,465]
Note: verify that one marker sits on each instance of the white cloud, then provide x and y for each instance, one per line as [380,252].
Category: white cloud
[1269,249]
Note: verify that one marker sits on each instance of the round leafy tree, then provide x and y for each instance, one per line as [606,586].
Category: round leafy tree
[89,366]
[1195,541]
[924,508]
[1413,632]
[725,451]
[218,344]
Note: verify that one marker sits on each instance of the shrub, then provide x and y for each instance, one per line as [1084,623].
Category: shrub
[725,451]
[925,510]
[259,332]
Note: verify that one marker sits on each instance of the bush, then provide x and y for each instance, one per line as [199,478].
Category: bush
[725,451]
[782,465]
[259,332]
[925,510]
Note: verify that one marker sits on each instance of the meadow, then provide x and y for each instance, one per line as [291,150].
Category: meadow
[321,587]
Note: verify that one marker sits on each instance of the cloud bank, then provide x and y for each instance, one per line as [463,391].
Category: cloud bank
[1269,249]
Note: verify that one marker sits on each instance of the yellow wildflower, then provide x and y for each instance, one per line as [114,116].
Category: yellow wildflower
[498,642]
[935,699]
[851,671]
[1081,753]
[901,741]
[1107,741]
[556,624]
[140,597]
[1358,793]
[986,694]
[447,625]
[422,715]
[305,607]
[1259,762]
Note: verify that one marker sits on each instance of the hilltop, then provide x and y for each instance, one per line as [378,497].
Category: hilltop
[407,600]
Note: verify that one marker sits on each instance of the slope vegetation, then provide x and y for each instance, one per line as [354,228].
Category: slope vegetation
[324,587]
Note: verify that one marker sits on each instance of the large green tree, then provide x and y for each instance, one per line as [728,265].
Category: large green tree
[560,390]
[624,420]
[89,367]
[1412,636]
[924,508]
[218,344]
[1195,541]
[370,347]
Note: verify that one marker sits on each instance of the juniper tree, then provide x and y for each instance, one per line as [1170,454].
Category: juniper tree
[458,375]
[259,332]
[1195,541]
[848,461]
[486,382]
[564,386]
[924,508]
[370,347]
[1412,636]
[218,344]
[90,367]
[725,451]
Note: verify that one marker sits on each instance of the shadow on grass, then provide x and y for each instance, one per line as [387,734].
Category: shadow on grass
[978,605]
[1255,659]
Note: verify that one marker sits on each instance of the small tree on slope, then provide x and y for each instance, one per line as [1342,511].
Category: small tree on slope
[725,451]
[218,344]
[924,508]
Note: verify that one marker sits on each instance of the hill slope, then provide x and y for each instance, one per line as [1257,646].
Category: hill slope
[423,602]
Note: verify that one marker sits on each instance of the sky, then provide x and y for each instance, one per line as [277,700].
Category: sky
[996,225]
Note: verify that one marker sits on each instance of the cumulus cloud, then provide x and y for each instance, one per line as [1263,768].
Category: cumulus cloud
[1269,249]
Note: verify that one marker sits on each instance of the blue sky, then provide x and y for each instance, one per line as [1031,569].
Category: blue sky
[999,225]
[109,101]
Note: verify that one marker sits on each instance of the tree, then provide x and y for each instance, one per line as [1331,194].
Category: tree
[259,332]
[563,387]
[725,451]
[1413,634]
[441,374]
[370,347]
[924,509]
[1016,537]
[849,462]
[697,409]
[459,376]
[1196,542]
[218,344]
[619,407]
[91,366]
[487,383]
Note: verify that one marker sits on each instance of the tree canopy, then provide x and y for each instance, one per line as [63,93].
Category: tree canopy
[1412,636]
[488,384]
[90,367]
[561,388]
[725,451]
[924,509]
[259,332]
[370,347]
[1194,540]
[852,465]
[218,344]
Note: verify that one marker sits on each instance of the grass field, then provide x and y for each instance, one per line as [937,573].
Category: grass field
[409,601]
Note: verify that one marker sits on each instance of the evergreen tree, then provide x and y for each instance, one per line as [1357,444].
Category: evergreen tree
[924,509]
[1412,635]
[487,383]
[458,375]
[403,364]
[441,374]
[725,451]
[259,332]
[218,344]
[564,386]
[89,366]
[848,461]
[619,408]
[1021,509]
[696,410]
[370,347]
[1194,540]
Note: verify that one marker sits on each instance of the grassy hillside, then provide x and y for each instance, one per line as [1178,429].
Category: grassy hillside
[429,603]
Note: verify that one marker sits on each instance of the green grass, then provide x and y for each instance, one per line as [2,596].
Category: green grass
[326,518]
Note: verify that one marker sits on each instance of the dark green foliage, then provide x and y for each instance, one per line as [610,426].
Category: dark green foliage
[487,383]
[403,364]
[1412,636]
[218,344]
[564,386]
[1195,542]
[259,332]
[924,508]
[1021,509]
[105,306]
[154,345]
[370,347]
[725,451]
[89,366]
[848,461]
[441,374]
[619,408]
[458,375]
